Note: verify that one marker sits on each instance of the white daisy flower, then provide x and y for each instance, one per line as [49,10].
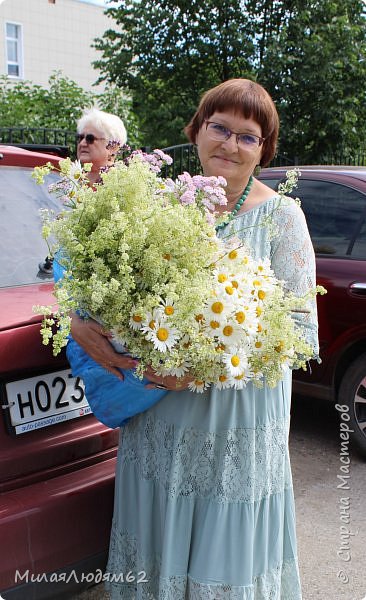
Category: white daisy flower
[135,321]
[263,267]
[232,334]
[240,381]
[164,337]
[236,361]
[168,308]
[76,171]
[251,327]
[261,286]
[175,371]
[218,308]
[223,382]
[211,327]
[149,323]
[197,385]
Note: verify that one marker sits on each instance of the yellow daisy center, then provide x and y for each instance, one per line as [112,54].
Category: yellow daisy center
[235,284]
[214,324]
[222,378]
[162,334]
[152,324]
[169,310]
[261,295]
[279,347]
[137,318]
[258,311]
[228,330]
[229,290]
[239,377]
[256,282]
[217,307]
[167,256]
[235,360]
[240,316]
[233,254]
[221,277]
[259,327]
[220,347]
[258,344]
[198,382]
[199,318]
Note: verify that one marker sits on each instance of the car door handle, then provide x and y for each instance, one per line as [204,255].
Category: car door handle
[358,288]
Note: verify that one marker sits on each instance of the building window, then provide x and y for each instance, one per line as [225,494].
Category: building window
[14,58]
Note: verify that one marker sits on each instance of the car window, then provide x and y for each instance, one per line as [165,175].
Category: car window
[272,183]
[22,247]
[359,247]
[335,214]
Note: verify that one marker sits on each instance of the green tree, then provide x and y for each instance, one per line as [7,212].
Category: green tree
[168,52]
[310,54]
[314,66]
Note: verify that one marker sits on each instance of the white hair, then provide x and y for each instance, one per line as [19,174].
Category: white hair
[109,125]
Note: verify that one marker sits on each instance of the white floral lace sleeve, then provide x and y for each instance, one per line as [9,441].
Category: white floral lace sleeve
[293,261]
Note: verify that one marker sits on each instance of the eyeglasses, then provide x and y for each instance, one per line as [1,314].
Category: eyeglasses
[90,138]
[220,133]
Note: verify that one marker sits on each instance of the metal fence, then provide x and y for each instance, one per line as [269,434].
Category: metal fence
[38,136]
[184,155]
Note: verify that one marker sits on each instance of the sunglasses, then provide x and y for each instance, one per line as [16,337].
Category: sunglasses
[90,138]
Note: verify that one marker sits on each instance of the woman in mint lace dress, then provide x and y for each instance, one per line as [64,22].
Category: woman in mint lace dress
[204,505]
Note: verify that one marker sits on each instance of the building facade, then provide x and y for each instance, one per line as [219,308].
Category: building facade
[38,37]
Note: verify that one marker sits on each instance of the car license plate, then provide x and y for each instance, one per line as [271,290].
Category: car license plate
[45,400]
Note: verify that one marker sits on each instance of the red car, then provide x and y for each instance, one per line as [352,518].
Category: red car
[334,202]
[57,461]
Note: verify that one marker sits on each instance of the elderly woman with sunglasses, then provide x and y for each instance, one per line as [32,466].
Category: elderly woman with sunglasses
[99,134]
[204,505]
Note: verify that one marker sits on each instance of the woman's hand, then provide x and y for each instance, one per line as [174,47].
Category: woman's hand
[169,382]
[91,336]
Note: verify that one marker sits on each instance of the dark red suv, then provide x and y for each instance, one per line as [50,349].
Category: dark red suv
[334,202]
[57,461]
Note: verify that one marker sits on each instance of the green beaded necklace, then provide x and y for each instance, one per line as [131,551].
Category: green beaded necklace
[239,203]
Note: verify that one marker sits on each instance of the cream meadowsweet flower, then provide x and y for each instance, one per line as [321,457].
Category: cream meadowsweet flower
[236,361]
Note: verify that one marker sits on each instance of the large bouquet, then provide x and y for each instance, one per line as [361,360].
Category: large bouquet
[141,255]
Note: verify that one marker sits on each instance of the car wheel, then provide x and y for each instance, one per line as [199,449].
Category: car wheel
[352,393]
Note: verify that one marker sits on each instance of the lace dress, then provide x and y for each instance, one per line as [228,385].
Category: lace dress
[204,504]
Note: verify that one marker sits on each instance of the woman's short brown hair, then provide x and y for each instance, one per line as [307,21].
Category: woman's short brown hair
[244,97]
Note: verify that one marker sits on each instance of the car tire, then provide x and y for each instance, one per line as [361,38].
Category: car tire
[352,393]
